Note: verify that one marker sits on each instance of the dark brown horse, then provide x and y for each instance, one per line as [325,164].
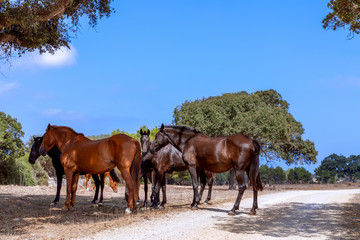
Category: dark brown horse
[80,154]
[217,155]
[167,160]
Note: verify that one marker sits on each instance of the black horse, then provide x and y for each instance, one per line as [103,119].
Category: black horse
[55,155]
[167,160]
[216,155]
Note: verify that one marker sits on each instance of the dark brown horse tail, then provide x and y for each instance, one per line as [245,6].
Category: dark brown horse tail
[114,176]
[254,168]
[136,168]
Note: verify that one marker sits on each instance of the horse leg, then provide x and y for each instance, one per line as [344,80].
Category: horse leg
[69,178]
[196,200]
[242,187]
[97,184]
[87,176]
[163,186]
[130,189]
[145,188]
[255,204]
[202,183]
[102,180]
[74,184]
[59,176]
[156,201]
[154,176]
[210,183]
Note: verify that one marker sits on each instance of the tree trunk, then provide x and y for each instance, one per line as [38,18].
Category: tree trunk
[232,180]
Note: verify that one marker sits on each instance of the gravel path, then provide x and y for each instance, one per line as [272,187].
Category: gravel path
[315,214]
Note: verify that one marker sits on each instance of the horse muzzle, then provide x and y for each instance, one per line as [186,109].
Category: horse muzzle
[42,151]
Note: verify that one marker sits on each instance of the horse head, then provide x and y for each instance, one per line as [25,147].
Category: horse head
[161,140]
[145,140]
[34,153]
[48,141]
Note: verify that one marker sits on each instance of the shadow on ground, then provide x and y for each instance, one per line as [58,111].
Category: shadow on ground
[298,219]
[19,214]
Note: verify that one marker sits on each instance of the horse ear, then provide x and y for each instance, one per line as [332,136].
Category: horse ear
[48,127]
[34,138]
[162,127]
[148,132]
[141,132]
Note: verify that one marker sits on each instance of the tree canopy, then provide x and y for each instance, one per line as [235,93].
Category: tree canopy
[263,115]
[345,14]
[44,25]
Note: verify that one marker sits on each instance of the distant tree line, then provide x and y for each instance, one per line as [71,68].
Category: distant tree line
[334,168]
[277,175]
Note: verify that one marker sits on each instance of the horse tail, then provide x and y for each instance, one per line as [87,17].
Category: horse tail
[114,176]
[135,169]
[254,168]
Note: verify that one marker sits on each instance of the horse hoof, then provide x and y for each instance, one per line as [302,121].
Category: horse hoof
[231,213]
[194,207]
[128,211]
[161,207]
[137,202]
[100,204]
[53,204]
[66,208]
[252,212]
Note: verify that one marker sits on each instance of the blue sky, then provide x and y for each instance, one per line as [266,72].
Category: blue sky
[151,56]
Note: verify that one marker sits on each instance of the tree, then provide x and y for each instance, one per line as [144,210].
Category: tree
[263,115]
[353,168]
[335,167]
[11,147]
[345,14]
[272,175]
[299,175]
[44,25]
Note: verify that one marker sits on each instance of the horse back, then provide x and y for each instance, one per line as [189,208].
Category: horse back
[169,159]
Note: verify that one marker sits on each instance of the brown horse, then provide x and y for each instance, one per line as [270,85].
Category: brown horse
[166,160]
[113,183]
[218,155]
[80,154]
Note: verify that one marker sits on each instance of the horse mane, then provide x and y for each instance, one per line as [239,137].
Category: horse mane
[183,128]
[69,129]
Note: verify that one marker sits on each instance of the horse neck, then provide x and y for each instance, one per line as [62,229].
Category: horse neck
[63,139]
[180,138]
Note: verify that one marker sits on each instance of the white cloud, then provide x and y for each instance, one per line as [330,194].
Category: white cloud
[62,115]
[5,87]
[51,112]
[342,81]
[64,57]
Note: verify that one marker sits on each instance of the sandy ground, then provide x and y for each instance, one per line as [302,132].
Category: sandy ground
[285,211]
[287,215]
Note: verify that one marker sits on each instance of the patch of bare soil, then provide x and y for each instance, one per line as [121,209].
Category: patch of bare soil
[25,212]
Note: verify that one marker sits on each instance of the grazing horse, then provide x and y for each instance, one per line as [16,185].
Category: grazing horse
[113,183]
[80,154]
[55,155]
[167,160]
[215,154]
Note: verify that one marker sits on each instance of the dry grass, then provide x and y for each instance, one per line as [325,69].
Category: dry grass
[26,212]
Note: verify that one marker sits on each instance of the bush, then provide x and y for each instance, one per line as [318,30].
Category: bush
[28,174]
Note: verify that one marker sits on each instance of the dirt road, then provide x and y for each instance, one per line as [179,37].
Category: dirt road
[315,214]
